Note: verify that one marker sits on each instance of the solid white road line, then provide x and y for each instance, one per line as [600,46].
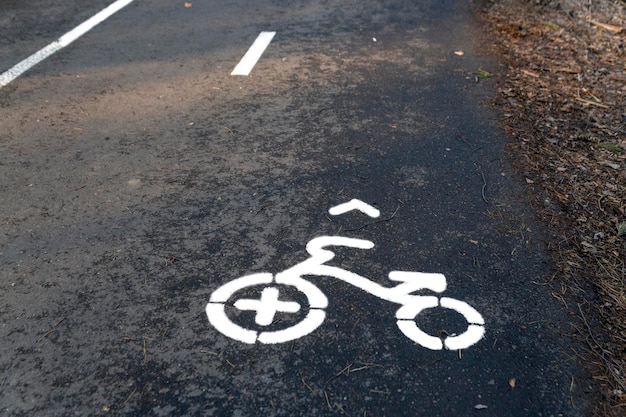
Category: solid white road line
[62,42]
[251,57]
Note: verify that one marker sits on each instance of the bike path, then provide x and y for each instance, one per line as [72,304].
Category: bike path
[183,178]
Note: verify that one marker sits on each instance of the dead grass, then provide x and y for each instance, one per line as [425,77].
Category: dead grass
[563,96]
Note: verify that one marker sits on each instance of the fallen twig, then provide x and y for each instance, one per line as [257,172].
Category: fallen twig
[307,385]
[611,28]
[375,222]
[482,190]
[46,334]
[603,353]
[330,407]
[592,103]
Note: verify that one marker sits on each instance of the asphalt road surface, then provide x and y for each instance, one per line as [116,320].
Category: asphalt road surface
[138,177]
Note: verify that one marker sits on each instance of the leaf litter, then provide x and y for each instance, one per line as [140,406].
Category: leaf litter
[562,94]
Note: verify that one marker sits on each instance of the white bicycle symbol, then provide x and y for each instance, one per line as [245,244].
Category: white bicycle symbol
[269,304]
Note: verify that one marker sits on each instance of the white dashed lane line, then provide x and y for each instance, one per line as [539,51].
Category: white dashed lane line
[251,57]
[244,67]
[20,68]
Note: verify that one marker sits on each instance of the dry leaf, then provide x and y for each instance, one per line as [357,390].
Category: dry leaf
[588,247]
[512,382]
[571,162]
[187,4]
[611,164]
[459,53]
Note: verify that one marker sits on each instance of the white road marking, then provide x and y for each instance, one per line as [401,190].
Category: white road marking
[267,307]
[354,204]
[402,293]
[251,57]
[62,42]
[407,313]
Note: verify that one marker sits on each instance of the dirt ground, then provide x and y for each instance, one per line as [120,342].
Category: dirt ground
[562,93]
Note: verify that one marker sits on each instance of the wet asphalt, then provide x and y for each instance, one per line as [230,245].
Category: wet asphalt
[138,176]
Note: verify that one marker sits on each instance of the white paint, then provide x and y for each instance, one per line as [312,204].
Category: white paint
[354,205]
[469,337]
[400,294]
[408,282]
[223,293]
[249,60]
[267,307]
[315,297]
[472,316]
[406,322]
[416,281]
[218,318]
[313,320]
[62,42]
